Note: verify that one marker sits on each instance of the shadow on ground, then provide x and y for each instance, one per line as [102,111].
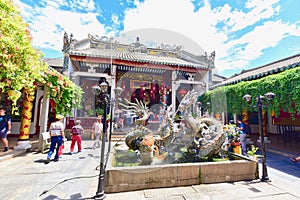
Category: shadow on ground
[282,163]
[76,196]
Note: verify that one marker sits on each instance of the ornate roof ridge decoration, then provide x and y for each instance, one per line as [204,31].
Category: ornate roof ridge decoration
[162,50]
[80,43]
[108,48]
[264,70]
[200,59]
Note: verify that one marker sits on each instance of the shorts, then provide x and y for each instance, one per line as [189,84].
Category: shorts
[3,135]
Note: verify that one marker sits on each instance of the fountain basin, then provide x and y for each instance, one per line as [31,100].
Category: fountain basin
[122,179]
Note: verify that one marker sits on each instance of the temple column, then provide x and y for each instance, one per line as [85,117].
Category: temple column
[113,80]
[113,97]
[245,119]
[44,111]
[174,89]
[23,141]
[234,117]
[264,121]
[44,117]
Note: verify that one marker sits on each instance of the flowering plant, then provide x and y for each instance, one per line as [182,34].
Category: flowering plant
[20,64]
[63,92]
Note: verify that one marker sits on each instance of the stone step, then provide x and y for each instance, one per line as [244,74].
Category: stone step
[118,136]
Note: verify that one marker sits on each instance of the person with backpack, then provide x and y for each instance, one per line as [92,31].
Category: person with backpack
[5,127]
[77,132]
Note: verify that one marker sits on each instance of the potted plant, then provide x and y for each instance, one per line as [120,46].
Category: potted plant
[252,152]
[99,111]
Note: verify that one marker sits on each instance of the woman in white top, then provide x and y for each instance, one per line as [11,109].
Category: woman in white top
[98,128]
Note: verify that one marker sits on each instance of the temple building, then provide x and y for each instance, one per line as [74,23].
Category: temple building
[158,76]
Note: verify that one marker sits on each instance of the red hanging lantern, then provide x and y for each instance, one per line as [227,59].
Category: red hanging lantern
[182,92]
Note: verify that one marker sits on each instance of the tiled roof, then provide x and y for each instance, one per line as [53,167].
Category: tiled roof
[54,62]
[265,70]
[136,57]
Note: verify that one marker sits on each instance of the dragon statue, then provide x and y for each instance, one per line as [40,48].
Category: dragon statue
[142,139]
[207,132]
[200,136]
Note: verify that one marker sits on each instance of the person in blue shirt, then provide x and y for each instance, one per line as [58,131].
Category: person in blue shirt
[243,135]
[5,127]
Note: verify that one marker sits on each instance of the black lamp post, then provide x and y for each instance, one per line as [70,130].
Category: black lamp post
[103,89]
[260,104]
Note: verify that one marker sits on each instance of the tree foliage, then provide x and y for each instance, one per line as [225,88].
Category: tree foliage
[21,65]
[285,85]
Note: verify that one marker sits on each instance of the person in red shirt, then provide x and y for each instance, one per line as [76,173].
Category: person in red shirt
[77,131]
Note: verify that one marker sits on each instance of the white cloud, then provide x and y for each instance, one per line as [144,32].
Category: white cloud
[223,29]
[259,9]
[48,24]
[262,37]
[201,26]
[87,5]
[176,16]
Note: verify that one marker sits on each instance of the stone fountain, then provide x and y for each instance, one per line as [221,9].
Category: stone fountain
[173,156]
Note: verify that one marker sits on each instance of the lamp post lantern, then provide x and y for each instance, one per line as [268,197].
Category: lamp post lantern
[105,98]
[260,104]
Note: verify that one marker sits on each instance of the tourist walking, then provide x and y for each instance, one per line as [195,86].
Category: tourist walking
[97,128]
[5,127]
[57,137]
[77,132]
[243,136]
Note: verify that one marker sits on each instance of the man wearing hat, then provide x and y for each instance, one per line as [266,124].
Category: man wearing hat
[57,136]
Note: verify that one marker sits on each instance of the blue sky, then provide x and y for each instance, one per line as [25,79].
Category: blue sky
[244,34]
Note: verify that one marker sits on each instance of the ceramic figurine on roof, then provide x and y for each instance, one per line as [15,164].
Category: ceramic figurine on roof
[212,57]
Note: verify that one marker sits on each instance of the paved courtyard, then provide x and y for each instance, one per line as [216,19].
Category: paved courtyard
[75,177]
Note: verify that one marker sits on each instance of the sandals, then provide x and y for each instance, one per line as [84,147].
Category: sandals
[294,160]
